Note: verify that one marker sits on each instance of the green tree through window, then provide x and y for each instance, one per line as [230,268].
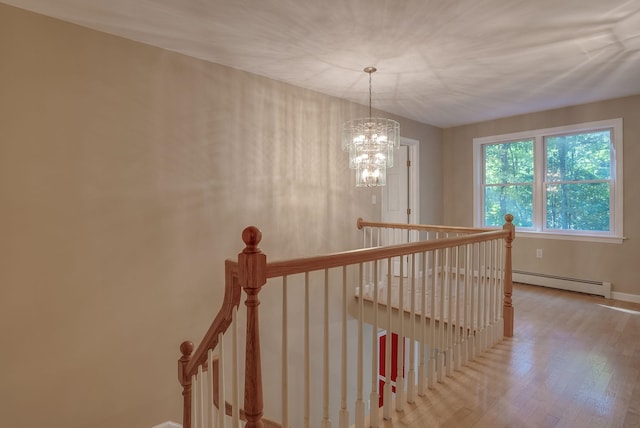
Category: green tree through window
[565,180]
[508,172]
[578,175]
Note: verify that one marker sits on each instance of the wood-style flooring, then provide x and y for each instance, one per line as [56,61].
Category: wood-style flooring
[574,362]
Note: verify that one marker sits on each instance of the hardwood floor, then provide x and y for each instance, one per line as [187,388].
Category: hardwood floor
[574,362]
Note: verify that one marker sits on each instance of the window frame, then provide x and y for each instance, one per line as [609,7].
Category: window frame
[539,230]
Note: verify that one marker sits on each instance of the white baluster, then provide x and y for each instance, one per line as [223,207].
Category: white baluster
[441,326]
[285,354]
[483,301]
[307,355]
[490,297]
[208,396]
[472,303]
[492,303]
[360,368]
[423,327]
[458,297]
[202,384]
[468,283]
[449,319]
[344,413]
[432,322]
[235,377]
[498,303]
[195,388]
[411,375]
[386,406]
[222,397]
[478,303]
[364,237]
[373,397]
[485,291]
[482,297]
[326,422]
[499,264]
[400,388]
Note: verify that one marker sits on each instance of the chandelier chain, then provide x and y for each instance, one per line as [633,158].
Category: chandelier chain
[370,95]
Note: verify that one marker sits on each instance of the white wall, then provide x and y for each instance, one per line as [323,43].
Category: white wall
[127,174]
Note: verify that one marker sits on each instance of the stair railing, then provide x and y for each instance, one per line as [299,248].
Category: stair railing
[458,285]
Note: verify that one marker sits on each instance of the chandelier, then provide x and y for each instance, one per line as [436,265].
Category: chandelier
[370,142]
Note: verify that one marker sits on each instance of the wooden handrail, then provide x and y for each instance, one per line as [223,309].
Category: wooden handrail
[360,223]
[232,296]
[251,272]
[310,264]
[188,364]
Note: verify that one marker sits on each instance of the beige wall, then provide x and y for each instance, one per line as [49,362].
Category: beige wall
[127,173]
[617,263]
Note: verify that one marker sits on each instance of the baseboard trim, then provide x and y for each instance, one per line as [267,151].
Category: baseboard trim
[627,297]
[168,424]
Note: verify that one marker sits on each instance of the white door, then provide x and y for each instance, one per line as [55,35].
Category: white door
[396,200]
[396,194]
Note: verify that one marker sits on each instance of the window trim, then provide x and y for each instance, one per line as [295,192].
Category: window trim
[615,235]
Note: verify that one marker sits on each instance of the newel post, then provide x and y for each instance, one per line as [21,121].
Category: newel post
[252,275]
[508,278]
[186,348]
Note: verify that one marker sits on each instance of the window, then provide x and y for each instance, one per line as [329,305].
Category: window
[561,182]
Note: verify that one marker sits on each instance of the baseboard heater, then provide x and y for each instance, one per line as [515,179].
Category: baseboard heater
[599,288]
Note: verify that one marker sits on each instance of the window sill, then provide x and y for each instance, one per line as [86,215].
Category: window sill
[567,237]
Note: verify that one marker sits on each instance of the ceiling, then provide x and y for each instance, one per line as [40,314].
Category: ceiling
[442,62]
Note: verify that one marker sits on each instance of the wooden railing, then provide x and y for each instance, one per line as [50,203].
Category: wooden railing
[457,282]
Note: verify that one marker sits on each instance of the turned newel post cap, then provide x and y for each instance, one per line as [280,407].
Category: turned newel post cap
[251,236]
[252,262]
[509,226]
[186,348]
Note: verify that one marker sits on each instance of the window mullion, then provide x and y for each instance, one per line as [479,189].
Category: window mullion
[539,188]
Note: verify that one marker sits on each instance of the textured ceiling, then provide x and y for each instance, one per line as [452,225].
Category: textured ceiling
[442,62]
